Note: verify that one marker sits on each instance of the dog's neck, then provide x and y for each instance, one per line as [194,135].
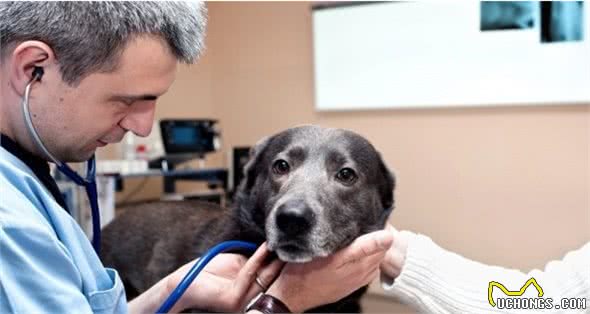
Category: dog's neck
[246,227]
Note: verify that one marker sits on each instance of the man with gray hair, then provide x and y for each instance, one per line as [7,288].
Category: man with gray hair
[75,76]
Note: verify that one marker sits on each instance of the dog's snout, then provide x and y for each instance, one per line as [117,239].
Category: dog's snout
[294,217]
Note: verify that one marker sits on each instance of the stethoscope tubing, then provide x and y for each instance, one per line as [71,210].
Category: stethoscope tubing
[89,183]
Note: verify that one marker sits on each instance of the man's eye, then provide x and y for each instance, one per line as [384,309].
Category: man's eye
[122,102]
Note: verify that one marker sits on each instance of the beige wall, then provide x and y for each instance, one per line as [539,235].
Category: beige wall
[503,185]
[506,185]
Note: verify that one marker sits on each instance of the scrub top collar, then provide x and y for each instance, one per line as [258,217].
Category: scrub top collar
[39,166]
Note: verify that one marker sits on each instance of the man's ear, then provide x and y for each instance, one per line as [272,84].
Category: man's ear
[24,58]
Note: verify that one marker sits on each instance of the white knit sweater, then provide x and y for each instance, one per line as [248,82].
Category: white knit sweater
[434,280]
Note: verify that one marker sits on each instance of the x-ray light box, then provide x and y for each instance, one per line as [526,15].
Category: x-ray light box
[438,54]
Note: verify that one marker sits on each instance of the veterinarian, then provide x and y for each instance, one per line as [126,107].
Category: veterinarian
[433,280]
[77,76]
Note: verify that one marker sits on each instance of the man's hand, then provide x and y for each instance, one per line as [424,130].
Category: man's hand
[227,283]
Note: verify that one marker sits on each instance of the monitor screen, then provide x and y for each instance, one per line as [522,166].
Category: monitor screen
[182,136]
[185,135]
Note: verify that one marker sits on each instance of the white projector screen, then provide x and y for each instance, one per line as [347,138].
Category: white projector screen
[429,54]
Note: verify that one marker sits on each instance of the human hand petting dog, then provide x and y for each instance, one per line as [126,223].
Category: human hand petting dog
[329,279]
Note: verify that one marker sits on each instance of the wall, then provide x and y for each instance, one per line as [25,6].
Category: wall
[475,179]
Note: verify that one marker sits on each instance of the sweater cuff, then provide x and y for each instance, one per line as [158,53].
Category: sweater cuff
[438,281]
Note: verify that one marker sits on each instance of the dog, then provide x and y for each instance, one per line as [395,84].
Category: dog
[308,191]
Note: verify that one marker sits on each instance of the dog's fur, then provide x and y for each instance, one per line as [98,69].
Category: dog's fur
[307,211]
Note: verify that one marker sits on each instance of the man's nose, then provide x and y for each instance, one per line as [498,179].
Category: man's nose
[140,118]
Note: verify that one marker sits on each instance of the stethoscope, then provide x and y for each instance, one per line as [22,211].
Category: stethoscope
[89,183]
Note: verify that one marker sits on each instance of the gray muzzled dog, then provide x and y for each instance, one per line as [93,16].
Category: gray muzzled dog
[308,191]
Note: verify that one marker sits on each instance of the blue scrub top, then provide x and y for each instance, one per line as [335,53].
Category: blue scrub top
[47,264]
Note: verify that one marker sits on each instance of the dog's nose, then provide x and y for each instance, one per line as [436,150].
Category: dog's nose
[294,218]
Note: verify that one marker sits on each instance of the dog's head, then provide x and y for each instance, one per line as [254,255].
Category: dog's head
[310,191]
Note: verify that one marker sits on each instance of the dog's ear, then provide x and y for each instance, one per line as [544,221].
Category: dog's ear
[387,187]
[250,169]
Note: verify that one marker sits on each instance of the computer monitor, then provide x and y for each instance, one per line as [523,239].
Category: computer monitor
[184,136]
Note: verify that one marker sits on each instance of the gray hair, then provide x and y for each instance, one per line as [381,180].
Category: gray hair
[89,37]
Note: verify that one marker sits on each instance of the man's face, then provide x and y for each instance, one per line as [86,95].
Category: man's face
[74,121]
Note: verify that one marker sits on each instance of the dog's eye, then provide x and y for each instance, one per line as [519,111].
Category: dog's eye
[346,175]
[280,167]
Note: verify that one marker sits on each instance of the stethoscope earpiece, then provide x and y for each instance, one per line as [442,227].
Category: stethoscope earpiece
[38,73]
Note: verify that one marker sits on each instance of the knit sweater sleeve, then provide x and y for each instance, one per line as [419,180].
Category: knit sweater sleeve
[434,280]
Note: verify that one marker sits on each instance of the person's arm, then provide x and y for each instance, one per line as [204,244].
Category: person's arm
[419,272]
[36,273]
